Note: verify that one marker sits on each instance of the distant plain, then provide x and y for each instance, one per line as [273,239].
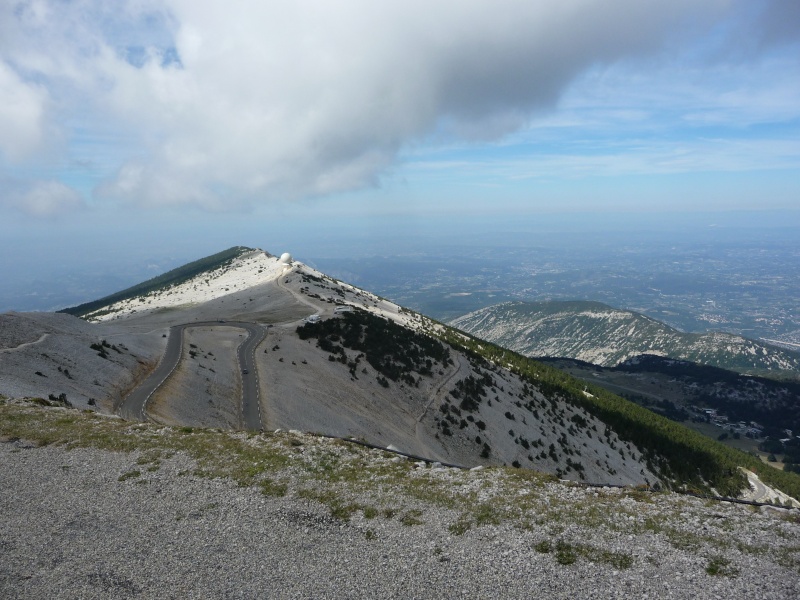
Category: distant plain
[735,272]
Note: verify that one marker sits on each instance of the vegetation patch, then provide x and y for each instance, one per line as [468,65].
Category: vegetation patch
[566,554]
[684,459]
[720,566]
[129,475]
[269,487]
[411,517]
[339,507]
[543,547]
[348,479]
[397,353]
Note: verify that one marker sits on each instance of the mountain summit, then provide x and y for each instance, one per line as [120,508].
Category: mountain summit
[247,340]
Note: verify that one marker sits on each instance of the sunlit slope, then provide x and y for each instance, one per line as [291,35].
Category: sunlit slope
[367,368]
[606,336]
[364,376]
[173,283]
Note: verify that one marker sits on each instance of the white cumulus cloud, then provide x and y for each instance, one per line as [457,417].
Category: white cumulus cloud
[247,101]
[40,198]
[22,113]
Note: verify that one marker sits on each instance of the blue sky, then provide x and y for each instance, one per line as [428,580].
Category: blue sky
[205,119]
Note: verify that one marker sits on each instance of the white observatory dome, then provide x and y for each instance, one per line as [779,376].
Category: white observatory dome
[285,258]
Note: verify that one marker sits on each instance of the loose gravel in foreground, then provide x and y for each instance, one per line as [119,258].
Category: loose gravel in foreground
[315,518]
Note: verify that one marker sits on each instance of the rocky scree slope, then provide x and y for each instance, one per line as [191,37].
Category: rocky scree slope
[534,416]
[424,396]
[144,511]
[54,355]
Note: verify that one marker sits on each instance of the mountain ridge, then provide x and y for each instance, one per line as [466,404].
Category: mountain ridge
[600,334]
[171,278]
[481,406]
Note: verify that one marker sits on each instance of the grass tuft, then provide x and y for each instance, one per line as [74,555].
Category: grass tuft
[719,566]
[565,553]
[411,518]
[347,479]
[129,475]
[271,488]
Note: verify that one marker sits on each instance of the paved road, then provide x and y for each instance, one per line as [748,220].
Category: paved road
[758,492]
[251,407]
[134,406]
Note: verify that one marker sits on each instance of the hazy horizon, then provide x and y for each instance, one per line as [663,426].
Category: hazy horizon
[673,267]
[140,136]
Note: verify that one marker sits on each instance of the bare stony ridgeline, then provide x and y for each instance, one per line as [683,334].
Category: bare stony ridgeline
[397,385]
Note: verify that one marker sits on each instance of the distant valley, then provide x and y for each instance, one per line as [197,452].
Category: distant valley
[692,378]
[690,276]
[740,410]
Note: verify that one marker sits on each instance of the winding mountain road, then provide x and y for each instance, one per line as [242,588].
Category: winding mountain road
[758,491]
[134,406]
[251,406]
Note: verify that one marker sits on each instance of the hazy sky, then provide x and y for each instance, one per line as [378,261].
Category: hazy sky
[202,116]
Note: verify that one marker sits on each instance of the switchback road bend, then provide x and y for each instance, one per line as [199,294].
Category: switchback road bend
[134,406]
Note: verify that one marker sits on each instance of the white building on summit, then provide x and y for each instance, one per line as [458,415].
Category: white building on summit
[285,258]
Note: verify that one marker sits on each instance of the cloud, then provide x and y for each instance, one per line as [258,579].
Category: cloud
[249,101]
[779,23]
[22,110]
[41,199]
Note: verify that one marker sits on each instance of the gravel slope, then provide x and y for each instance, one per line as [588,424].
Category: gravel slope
[51,353]
[71,528]
[205,389]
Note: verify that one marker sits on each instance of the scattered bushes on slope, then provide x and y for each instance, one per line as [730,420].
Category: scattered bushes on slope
[396,352]
[685,457]
[471,391]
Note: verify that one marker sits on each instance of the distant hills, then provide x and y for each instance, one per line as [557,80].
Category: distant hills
[597,333]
